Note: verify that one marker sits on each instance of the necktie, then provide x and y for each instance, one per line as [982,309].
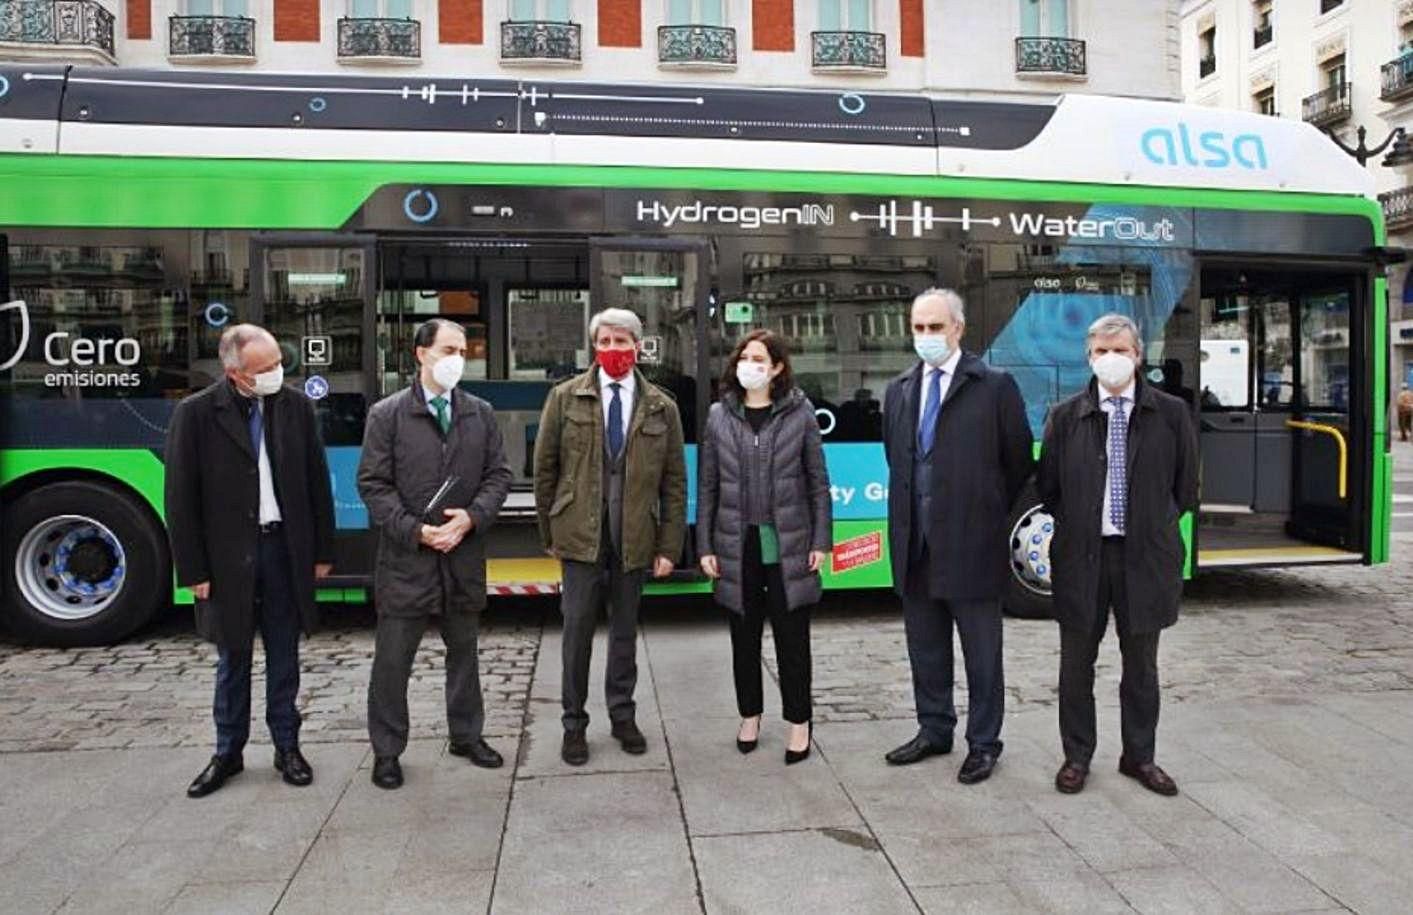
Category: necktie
[443,418]
[615,421]
[927,429]
[256,422]
[1118,465]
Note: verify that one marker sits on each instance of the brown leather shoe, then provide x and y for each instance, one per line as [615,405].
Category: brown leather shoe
[1149,776]
[1071,777]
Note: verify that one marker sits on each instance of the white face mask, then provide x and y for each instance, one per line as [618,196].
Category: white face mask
[1114,370]
[447,371]
[267,383]
[752,375]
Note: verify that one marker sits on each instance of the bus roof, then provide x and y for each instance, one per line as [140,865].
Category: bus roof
[1079,138]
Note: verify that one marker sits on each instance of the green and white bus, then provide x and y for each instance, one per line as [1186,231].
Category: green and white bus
[142,212]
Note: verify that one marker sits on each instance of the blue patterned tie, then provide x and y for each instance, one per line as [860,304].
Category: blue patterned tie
[615,421]
[257,428]
[927,429]
[1118,465]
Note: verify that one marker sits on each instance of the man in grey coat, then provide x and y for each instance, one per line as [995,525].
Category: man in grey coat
[434,476]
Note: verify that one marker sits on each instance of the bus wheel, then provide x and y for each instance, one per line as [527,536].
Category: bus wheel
[1028,587]
[84,564]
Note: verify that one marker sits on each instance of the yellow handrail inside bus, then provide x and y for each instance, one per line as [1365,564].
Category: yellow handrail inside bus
[1339,439]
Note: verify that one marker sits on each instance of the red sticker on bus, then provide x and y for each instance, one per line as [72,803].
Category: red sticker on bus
[858,551]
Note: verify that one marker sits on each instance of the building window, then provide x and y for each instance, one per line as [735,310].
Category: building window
[1265,101]
[380,9]
[217,7]
[539,11]
[1327,5]
[696,12]
[845,15]
[1405,38]
[1045,18]
[1264,30]
[1207,52]
[1333,72]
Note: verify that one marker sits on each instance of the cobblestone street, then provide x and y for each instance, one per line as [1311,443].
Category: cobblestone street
[1288,720]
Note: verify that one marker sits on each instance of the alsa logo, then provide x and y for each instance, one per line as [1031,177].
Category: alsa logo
[1166,146]
[17,306]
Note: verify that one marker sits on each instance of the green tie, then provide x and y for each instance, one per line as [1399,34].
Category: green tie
[439,404]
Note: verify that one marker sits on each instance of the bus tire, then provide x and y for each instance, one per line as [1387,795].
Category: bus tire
[1027,586]
[84,564]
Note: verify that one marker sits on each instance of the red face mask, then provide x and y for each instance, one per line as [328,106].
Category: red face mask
[617,362]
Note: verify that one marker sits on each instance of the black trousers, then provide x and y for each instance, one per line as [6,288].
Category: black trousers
[395,648]
[928,625]
[1138,690]
[762,598]
[277,617]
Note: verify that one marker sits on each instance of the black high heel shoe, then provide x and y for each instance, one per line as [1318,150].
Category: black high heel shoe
[794,756]
[746,746]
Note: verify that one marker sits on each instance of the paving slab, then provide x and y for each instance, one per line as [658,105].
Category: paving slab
[804,871]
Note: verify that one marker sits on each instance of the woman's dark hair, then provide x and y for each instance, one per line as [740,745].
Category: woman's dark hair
[426,333]
[779,353]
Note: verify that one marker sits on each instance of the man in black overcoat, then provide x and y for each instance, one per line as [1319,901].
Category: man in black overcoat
[250,512]
[1118,468]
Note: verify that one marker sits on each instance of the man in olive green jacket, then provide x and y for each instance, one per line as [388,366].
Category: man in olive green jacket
[610,494]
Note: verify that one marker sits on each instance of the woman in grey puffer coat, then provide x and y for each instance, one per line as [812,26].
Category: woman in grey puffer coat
[764,527]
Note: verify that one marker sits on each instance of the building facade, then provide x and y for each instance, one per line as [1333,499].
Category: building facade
[1340,65]
[1011,47]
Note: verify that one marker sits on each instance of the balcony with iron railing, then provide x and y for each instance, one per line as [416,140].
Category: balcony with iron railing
[1398,209]
[1051,57]
[1206,67]
[1396,79]
[1327,107]
[396,41]
[709,47]
[56,29]
[1262,36]
[538,42]
[211,38]
[851,52]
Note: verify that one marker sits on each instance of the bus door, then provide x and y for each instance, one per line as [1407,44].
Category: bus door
[314,292]
[1274,416]
[665,282]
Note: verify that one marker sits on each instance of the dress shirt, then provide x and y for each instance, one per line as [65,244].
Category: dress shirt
[626,389]
[948,370]
[1108,529]
[431,395]
[269,505]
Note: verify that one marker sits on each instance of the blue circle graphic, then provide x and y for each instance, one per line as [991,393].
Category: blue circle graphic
[851,103]
[316,388]
[317,104]
[217,314]
[4,87]
[432,206]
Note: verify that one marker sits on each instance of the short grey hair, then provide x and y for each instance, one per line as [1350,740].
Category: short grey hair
[1110,324]
[621,318]
[949,297]
[235,338]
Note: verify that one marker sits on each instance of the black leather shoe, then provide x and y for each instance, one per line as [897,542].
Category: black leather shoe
[293,767]
[978,766]
[479,752]
[747,746]
[1149,776]
[1071,778]
[387,772]
[916,750]
[214,775]
[629,737]
[794,756]
[575,750]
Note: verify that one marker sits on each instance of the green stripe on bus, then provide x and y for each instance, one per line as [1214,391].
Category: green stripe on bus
[153,192]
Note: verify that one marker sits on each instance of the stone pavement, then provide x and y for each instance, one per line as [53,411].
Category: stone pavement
[1288,722]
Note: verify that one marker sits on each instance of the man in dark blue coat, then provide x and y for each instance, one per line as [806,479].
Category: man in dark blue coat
[959,449]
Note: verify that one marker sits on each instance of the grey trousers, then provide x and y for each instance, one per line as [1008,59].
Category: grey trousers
[394,649]
[587,589]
